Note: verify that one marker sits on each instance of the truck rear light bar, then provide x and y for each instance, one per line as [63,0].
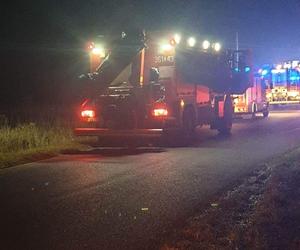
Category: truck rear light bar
[88,113]
[159,112]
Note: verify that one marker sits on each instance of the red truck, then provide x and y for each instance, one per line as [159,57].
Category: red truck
[152,85]
[253,101]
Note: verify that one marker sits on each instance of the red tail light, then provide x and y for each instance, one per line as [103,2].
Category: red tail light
[88,113]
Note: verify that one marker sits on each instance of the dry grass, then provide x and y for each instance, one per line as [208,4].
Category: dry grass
[276,219]
[262,213]
[30,141]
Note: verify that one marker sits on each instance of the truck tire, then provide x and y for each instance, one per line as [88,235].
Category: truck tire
[189,122]
[254,110]
[225,123]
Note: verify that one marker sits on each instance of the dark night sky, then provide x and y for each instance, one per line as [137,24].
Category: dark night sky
[270,27]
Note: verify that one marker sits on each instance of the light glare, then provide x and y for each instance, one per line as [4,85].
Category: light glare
[160,112]
[88,113]
[205,44]
[191,41]
[177,38]
[99,51]
[217,47]
[166,47]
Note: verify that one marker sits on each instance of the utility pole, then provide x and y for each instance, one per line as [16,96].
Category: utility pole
[237,40]
[237,48]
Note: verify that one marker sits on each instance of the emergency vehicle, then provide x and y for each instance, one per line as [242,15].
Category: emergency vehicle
[160,83]
[253,101]
[282,82]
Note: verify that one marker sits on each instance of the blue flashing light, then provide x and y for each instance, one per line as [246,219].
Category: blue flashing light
[247,69]
[236,69]
[264,72]
[294,78]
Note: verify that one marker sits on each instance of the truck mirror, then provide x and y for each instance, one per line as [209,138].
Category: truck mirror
[154,75]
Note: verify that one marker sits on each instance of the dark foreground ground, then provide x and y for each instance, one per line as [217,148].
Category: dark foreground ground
[120,199]
[263,212]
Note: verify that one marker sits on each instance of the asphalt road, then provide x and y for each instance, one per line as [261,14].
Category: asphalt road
[113,199]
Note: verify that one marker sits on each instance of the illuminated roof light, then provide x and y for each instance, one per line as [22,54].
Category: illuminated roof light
[279,67]
[177,38]
[295,64]
[172,42]
[264,72]
[217,47]
[206,44]
[99,51]
[278,71]
[166,47]
[191,42]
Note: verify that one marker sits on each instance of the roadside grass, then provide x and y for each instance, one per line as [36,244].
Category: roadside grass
[275,223]
[30,142]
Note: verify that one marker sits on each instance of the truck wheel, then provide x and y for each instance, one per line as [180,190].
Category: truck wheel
[225,123]
[254,110]
[189,121]
[170,139]
[266,113]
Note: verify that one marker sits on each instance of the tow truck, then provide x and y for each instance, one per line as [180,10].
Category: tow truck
[152,85]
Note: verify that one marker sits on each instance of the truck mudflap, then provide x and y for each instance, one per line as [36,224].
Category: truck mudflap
[103,132]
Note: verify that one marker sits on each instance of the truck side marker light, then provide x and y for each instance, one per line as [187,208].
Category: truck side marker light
[182,103]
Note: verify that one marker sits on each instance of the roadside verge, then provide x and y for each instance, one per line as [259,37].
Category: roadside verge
[263,212]
[31,142]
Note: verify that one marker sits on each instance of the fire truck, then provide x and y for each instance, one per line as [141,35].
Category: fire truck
[155,84]
[282,82]
[253,101]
